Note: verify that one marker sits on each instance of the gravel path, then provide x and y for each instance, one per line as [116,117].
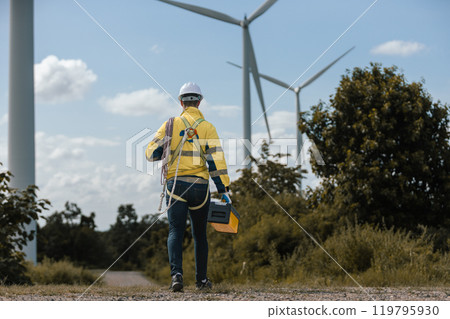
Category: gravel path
[99,293]
[125,279]
[131,285]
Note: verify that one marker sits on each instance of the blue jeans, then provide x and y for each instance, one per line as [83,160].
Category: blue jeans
[195,195]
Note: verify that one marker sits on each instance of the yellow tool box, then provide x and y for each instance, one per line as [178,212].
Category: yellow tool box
[223,217]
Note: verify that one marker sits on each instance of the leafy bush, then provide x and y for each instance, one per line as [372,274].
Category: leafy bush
[17,209]
[61,272]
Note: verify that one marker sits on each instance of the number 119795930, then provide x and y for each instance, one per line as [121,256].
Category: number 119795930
[412,310]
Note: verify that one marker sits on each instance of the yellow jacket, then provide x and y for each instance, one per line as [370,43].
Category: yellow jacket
[190,162]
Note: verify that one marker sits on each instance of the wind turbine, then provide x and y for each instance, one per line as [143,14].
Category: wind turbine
[297,90]
[248,59]
[21,155]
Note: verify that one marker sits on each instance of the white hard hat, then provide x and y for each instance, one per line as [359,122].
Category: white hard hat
[190,92]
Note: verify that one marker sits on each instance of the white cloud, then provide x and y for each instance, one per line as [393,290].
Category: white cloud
[53,151]
[398,47]
[68,169]
[282,124]
[59,81]
[65,141]
[102,188]
[224,110]
[141,102]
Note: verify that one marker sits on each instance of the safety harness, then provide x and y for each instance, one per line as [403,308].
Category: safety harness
[189,132]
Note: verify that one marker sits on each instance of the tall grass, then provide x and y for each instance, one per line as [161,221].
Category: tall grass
[59,272]
[373,256]
[376,257]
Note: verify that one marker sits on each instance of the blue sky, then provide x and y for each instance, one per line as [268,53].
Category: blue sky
[82,127]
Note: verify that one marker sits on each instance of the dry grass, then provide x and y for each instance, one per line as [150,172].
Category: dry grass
[59,272]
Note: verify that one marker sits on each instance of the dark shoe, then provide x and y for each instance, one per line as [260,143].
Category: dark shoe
[205,284]
[177,283]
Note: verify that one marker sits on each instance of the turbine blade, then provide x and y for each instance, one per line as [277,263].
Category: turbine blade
[234,64]
[254,70]
[313,78]
[268,78]
[263,8]
[273,80]
[203,11]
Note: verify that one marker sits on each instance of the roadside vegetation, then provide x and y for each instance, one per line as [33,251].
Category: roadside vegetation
[381,210]
[61,272]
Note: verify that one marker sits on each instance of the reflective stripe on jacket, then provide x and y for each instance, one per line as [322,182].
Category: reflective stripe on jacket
[191,162]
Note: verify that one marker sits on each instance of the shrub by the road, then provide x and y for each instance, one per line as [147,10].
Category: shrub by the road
[60,272]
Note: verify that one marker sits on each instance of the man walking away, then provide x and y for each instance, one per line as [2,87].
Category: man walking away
[192,160]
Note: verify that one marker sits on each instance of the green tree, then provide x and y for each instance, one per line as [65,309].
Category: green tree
[270,176]
[70,234]
[386,148]
[149,253]
[17,209]
[122,234]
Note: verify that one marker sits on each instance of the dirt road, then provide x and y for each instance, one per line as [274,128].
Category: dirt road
[125,279]
[130,285]
[220,292]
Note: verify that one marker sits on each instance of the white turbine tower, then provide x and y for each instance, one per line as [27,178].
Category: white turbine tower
[248,59]
[21,104]
[297,90]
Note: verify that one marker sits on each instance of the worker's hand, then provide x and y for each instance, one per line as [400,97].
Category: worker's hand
[225,197]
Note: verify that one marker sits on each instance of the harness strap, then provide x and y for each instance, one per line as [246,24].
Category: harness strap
[194,126]
[178,198]
[176,153]
[190,132]
[202,204]
[194,137]
[199,147]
